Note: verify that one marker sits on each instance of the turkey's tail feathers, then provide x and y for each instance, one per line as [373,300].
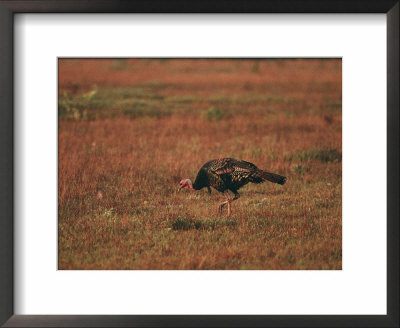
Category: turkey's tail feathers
[275,178]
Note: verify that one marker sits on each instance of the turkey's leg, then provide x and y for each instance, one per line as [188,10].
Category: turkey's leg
[224,203]
[230,202]
[237,196]
[229,209]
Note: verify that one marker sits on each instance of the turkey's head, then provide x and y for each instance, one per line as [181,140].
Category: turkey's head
[185,183]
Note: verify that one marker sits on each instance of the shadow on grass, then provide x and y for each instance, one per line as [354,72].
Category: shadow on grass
[182,223]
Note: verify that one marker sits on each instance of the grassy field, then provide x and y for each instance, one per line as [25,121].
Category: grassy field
[130,130]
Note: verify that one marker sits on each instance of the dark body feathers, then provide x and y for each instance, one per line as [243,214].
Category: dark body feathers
[232,174]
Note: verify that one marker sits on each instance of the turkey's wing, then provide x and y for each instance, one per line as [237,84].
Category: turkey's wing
[233,166]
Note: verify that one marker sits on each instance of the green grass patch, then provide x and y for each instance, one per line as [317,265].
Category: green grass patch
[300,169]
[182,99]
[251,99]
[335,105]
[213,114]
[111,102]
[315,154]
[148,100]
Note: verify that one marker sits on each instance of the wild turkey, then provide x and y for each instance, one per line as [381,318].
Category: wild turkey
[229,174]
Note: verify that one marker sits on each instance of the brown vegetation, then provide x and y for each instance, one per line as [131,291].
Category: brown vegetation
[130,130]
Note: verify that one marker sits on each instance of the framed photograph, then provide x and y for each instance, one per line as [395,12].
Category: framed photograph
[220,164]
[165,147]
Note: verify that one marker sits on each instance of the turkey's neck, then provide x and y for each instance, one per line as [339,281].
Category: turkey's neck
[197,186]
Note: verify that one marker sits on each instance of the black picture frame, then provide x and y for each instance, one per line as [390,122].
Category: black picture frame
[7,11]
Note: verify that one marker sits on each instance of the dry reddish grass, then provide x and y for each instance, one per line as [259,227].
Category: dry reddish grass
[119,207]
